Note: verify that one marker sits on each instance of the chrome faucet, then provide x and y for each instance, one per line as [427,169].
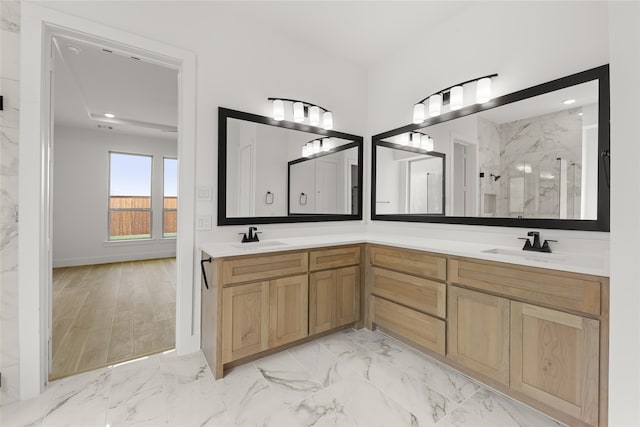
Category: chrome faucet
[536,246]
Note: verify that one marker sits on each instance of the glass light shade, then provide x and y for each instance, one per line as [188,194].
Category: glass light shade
[278,109]
[298,112]
[327,120]
[483,90]
[316,146]
[435,105]
[426,143]
[418,113]
[327,145]
[314,115]
[415,139]
[404,139]
[456,96]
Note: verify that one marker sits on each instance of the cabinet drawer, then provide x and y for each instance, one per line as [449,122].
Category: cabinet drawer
[421,294]
[569,291]
[422,329]
[409,261]
[334,258]
[263,267]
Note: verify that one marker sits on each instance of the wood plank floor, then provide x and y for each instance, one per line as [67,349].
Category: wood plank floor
[109,313]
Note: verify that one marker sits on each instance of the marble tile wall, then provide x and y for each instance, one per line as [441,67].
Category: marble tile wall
[9,119]
[525,153]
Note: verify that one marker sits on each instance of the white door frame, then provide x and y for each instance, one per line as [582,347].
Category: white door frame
[38,25]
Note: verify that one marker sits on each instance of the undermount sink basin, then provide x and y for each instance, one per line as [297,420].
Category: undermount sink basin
[253,245]
[533,256]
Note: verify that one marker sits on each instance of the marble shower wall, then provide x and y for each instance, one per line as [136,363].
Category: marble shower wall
[489,163]
[530,174]
[9,119]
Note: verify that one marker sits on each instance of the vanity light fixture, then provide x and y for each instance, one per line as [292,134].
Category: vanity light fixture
[109,115]
[568,101]
[302,110]
[454,97]
[316,146]
[418,140]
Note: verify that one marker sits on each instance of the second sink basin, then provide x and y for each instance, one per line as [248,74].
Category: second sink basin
[253,245]
[530,255]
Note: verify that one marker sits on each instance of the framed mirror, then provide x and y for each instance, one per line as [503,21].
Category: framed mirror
[261,167]
[535,158]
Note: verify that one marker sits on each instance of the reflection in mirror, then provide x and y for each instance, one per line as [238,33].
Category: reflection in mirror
[533,155]
[326,183]
[409,180]
[255,157]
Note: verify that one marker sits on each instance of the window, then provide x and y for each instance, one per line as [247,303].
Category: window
[170,201]
[129,196]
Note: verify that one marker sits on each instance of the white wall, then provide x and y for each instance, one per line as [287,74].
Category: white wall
[81,193]
[526,43]
[624,355]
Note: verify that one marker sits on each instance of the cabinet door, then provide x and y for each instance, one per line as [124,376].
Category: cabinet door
[245,320]
[347,295]
[289,309]
[555,359]
[478,332]
[322,301]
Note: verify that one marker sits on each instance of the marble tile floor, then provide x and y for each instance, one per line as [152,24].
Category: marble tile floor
[351,378]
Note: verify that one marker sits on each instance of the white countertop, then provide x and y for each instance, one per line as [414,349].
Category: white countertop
[598,266]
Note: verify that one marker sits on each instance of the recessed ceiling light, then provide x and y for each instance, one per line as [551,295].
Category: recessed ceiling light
[109,115]
[568,101]
[73,49]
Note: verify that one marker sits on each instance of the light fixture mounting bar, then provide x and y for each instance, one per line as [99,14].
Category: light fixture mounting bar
[305,103]
[448,89]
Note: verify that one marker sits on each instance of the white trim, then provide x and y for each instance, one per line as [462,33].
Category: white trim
[38,25]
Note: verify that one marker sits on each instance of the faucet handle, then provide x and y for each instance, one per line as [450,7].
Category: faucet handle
[244,237]
[546,247]
[527,244]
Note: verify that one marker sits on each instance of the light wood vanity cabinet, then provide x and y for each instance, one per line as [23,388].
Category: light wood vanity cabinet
[334,294]
[258,303]
[537,334]
[555,359]
[478,334]
[407,296]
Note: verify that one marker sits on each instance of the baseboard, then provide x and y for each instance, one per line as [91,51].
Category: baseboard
[73,262]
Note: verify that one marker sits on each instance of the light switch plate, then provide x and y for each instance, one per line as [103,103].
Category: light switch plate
[204,223]
[204,193]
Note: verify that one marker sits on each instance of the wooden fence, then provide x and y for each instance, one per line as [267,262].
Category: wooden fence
[137,223]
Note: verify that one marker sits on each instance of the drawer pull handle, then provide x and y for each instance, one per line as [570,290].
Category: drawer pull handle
[204,272]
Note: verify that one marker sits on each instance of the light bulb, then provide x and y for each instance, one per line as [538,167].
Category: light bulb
[456,98]
[418,113]
[298,112]
[109,115]
[483,90]
[327,120]
[278,109]
[435,105]
[314,115]
[426,143]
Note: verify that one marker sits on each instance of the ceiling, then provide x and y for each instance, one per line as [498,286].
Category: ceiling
[143,95]
[90,81]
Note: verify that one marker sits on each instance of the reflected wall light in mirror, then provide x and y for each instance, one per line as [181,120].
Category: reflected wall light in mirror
[526,159]
[301,111]
[253,166]
[453,96]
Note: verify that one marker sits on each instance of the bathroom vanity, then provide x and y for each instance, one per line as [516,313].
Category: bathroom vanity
[521,323]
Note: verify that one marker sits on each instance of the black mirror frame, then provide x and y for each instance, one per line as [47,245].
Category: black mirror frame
[223,219]
[600,224]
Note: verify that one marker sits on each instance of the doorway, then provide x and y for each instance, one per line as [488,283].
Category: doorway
[114,205]
[464,178]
